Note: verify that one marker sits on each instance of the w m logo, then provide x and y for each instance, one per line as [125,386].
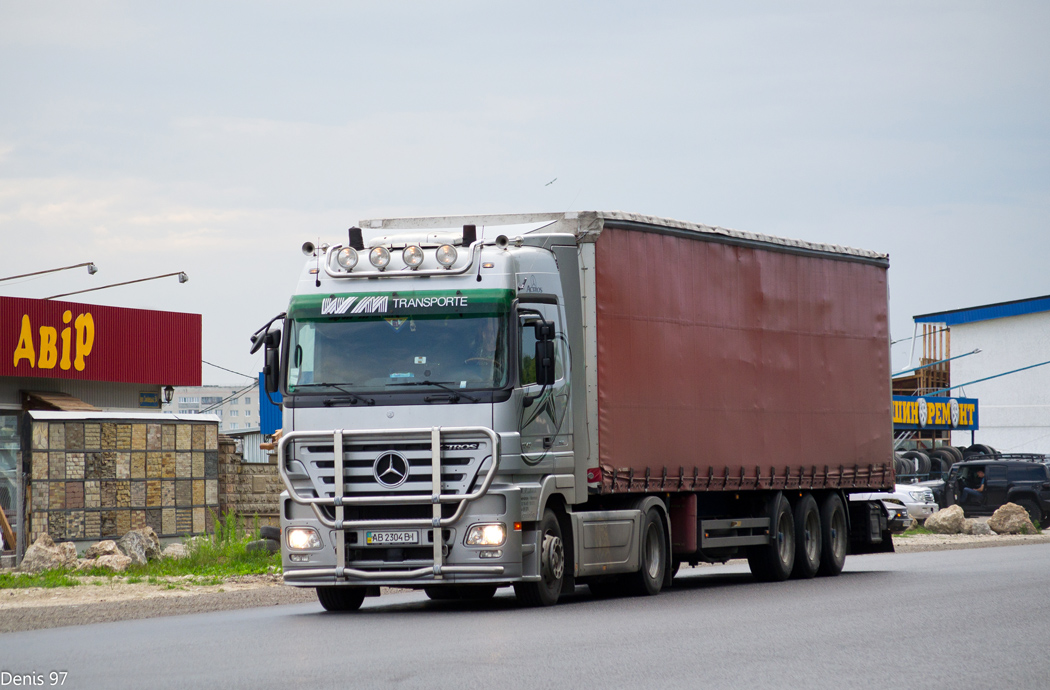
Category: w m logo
[366,305]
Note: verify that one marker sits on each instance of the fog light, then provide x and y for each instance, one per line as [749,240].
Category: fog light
[412,256]
[496,553]
[346,258]
[447,255]
[486,535]
[303,538]
[380,257]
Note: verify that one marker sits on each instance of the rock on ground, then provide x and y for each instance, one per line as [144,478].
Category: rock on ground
[175,551]
[118,563]
[44,554]
[1011,518]
[976,527]
[140,545]
[950,520]
[107,547]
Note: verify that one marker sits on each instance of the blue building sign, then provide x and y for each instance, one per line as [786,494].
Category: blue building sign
[934,413]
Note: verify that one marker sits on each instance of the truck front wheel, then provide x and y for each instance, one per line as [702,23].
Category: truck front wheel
[650,578]
[552,566]
[773,562]
[341,598]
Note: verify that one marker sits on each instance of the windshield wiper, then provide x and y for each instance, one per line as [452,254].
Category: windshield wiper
[352,397]
[455,394]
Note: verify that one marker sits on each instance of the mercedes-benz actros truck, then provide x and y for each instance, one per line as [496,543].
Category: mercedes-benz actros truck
[586,398]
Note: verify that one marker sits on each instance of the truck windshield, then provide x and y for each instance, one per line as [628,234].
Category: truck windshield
[457,351]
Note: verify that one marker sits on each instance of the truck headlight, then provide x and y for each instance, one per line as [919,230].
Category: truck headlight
[346,258]
[302,538]
[447,255]
[486,535]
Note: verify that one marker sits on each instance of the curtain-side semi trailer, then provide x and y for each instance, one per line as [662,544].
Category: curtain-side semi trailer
[548,400]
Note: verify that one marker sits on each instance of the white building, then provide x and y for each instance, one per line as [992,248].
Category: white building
[1014,408]
[236,406]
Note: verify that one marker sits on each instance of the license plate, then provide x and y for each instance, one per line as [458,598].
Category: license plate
[384,538]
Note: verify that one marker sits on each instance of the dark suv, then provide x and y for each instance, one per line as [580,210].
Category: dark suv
[1020,479]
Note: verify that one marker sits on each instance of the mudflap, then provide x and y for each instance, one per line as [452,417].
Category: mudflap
[869,531]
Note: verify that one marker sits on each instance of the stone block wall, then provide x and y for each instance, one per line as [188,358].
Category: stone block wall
[97,478]
[248,489]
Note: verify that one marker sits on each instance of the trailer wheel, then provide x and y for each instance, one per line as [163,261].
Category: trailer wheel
[552,566]
[834,536]
[341,598]
[650,577]
[773,562]
[808,538]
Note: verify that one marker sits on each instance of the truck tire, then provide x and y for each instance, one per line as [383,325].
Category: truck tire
[341,598]
[653,557]
[978,449]
[941,460]
[773,562]
[834,536]
[1032,508]
[954,450]
[808,538]
[270,532]
[552,566]
[920,460]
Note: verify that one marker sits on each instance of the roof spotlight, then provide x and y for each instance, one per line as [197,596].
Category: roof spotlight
[379,257]
[412,256]
[447,255]
[346,258]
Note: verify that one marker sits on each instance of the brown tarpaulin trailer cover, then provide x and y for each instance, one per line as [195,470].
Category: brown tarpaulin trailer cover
[733,363]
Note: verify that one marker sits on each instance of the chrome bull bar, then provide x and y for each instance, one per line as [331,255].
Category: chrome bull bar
[436,499]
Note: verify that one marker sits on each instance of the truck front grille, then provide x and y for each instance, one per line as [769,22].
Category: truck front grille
[461,460]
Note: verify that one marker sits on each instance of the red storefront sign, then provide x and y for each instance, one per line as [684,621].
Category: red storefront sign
[66,340]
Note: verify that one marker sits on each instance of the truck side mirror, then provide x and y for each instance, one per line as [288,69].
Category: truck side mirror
[272,366]
[544,352]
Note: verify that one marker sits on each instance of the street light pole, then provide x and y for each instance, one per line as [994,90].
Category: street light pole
[91,267]
[181,274]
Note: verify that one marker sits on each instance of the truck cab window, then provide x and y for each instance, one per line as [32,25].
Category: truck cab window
[371,353]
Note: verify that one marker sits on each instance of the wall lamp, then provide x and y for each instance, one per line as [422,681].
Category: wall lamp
[181,274]
[91,267]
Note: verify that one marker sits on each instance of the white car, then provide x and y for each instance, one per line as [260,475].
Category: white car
[917,499]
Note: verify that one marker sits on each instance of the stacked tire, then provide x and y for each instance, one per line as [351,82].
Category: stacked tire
[934,463]
[269,540]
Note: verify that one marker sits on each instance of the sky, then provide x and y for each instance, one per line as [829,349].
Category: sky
[216,137]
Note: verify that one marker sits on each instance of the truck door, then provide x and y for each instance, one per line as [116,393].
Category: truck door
[546,427]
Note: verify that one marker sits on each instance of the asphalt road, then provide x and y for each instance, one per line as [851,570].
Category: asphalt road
[975,618]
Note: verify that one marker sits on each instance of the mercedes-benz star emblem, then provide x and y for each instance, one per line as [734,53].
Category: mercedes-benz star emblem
[390,469]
